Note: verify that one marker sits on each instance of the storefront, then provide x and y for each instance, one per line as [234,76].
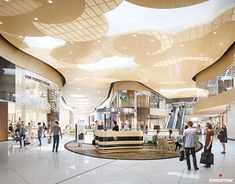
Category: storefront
[28,97]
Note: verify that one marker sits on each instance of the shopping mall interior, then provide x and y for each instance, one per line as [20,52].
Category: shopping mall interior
[117,91]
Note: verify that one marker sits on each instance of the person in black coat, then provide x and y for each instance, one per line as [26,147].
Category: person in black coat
[223,136]
[115,128]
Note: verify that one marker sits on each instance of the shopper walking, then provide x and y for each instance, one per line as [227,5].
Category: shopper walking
[44,129]
[223,136]
[56,131]
[40,130]
[115,128]
[189,136]
[209,141]
[22,132]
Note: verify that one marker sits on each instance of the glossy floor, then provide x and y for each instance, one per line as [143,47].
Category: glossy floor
[36,165]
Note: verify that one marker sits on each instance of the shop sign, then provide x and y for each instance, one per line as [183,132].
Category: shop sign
[37,80]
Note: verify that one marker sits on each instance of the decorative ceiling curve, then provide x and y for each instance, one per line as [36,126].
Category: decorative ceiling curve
[82,46]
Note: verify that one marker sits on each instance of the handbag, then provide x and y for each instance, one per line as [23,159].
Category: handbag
[181,155]
[207,158]
[49,141]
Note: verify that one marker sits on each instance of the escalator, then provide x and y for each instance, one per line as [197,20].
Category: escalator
[180,118]
[171,118]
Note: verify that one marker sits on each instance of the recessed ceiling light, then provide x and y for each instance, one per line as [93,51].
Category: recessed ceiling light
[20,36]
[80,27]
[61,59]
[201,54]
[98,41]
[152,40]
[6,0]
[70,52]
[124,48]
[71,42]
[148,53]
[98,92]
[1,22]
[214,32]
[181,45]
[50,1]
[221,44]
[134,35]
[35,18]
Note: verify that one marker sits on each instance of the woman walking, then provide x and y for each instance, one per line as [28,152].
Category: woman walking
[223,136]
[209,141]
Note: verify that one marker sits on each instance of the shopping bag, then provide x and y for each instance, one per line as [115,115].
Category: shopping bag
[207,158]
[49,141]
[181,155]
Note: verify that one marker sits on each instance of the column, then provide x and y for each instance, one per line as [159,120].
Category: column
[3,121]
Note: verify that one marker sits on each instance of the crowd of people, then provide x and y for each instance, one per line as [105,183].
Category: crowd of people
[189,136]
[24,134]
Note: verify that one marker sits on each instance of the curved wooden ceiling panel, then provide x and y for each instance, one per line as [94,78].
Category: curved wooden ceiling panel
[73,37]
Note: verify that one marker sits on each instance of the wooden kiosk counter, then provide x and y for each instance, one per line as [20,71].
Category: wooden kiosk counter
[118,141]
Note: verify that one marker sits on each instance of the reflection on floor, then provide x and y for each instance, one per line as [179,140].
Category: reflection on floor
[146,154]
[37,165]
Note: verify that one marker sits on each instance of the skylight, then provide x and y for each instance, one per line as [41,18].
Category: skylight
[128,17]
[46,42]
[109,63]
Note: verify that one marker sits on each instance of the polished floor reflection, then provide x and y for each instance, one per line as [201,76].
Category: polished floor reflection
[36,165]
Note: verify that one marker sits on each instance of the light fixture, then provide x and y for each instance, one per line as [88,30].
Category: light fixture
[98,92]
[214,32]
[71,42]
[6,0]
[201,54]
[98,41]
[70,52]
[61,59]
[20,36]
[77,96]
[124,48]
[35,18]
[50,1]
[1,22]
[134,35]
[80,27]
[221,44]
[181,45]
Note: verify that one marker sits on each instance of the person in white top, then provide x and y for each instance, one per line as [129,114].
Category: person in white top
[189,137]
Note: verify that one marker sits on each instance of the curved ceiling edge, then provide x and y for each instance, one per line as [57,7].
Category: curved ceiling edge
[218,67]
[24,60]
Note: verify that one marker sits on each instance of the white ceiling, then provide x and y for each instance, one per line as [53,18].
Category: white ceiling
[162,44]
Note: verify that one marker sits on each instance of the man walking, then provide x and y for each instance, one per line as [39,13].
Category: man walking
[189,137]
[56,131]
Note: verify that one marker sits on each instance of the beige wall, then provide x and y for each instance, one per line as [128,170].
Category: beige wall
[21,59]
[218,67]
